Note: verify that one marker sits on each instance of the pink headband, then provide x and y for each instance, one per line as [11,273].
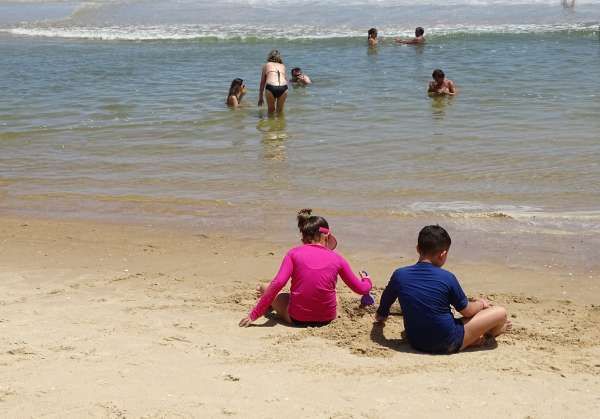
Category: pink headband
[323,230]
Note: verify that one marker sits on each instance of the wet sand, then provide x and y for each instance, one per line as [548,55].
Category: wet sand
[107,320]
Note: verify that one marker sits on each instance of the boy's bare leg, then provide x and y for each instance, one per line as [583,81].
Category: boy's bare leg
[279,304]
[493,321]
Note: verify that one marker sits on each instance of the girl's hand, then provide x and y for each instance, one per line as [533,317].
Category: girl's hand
[245,322]
[484,303]
[260,101]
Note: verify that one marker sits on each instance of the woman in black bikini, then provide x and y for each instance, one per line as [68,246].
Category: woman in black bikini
[273,79]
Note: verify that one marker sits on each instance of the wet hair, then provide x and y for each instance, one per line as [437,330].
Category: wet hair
[372,32]
[309,225]
[419,31]
[236,87]
[437,74]
[275,57]
[296,71]
[433,239]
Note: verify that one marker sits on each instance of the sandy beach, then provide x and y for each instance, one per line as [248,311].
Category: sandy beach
[106,320]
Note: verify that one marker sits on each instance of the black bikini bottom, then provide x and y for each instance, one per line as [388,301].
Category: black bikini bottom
[301,323]
[276,90]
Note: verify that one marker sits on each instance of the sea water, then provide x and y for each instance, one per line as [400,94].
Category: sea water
[116,109]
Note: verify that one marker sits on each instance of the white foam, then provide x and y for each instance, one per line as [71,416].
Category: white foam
[187,32]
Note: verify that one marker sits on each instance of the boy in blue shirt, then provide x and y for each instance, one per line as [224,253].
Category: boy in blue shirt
[426,291]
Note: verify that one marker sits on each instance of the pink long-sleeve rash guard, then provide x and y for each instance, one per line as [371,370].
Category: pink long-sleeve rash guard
[314,270]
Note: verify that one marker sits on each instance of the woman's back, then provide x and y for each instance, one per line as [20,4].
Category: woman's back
[275,74]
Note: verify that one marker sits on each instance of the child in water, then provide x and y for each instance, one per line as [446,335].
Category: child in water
[372,37]
[314,268]
[237,90]
[299,77]
[441,85]
[417,40]
[426,292]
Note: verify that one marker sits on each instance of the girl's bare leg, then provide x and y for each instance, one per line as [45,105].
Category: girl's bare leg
[270,101]
[279,304]
[281,102]
[492,321]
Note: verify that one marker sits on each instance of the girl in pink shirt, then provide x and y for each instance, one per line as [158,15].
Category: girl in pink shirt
[314,268]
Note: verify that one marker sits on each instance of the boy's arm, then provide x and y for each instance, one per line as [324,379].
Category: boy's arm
[387,299]
[474,307]
[451,88]
[459,300]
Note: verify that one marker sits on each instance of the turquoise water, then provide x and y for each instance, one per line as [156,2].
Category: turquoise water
[95,122]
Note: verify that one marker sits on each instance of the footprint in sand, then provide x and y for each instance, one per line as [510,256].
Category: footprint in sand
[6,393]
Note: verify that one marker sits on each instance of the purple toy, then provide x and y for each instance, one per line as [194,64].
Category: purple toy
[367,300]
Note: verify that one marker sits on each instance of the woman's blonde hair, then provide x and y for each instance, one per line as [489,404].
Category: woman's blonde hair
[274,57]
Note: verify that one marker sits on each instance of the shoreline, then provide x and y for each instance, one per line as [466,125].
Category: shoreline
[493,239]
[113,320]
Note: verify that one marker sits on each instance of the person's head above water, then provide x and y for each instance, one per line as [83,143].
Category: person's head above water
[275,57]
[372,33]
[438,75]
[237,87]
[419,32]
[433,244]
[296,71]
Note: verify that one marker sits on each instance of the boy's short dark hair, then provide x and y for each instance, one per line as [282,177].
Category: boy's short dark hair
[419,31]
[433,239]
[438,74]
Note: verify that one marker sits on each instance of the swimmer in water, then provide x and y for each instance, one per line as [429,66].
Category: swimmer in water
[299,77]
[417,40]
[372,37]
[273,79]
[236,93]
[441,85]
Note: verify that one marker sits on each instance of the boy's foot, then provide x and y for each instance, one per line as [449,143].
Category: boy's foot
[507,326]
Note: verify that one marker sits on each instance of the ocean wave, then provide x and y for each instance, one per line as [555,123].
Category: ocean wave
[521,213]
[250,33]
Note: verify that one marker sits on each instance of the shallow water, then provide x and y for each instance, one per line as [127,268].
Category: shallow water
[95,123]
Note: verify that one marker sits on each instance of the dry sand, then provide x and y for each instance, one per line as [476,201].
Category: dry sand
[100,320]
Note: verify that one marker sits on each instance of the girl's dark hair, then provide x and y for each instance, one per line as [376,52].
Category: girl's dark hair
[372,32]
[309,225]
[236,86]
